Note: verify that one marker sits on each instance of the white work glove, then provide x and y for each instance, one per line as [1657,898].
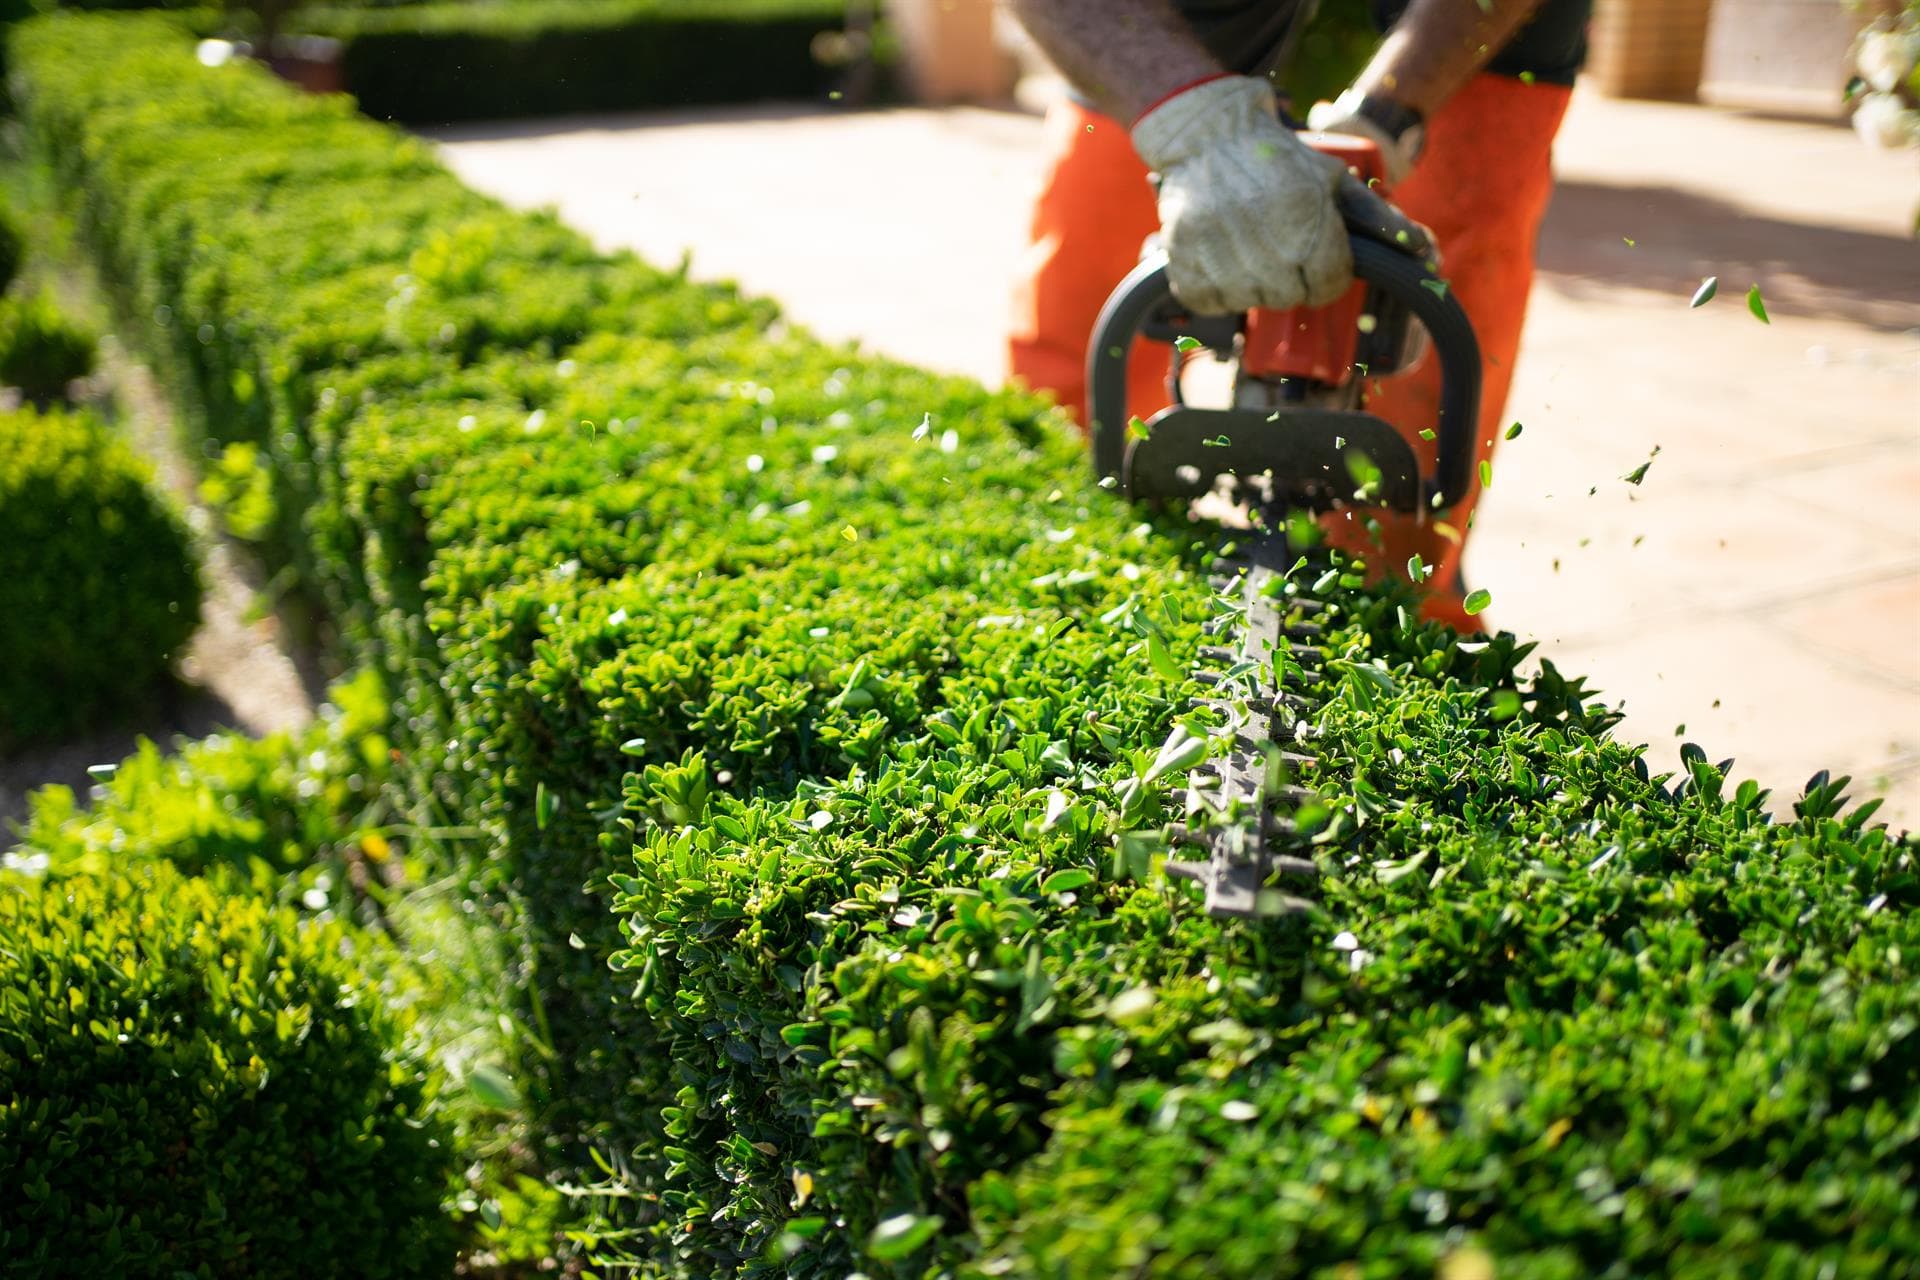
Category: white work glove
[1343,116]
[1250,216]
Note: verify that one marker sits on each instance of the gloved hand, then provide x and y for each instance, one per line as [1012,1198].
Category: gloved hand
[1250,215]
[1343,116]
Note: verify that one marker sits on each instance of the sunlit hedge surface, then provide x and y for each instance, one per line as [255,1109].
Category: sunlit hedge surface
[805,698]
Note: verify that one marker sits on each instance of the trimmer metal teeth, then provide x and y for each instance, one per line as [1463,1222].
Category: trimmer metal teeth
[1236,816]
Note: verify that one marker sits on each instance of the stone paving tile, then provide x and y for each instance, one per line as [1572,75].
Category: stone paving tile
[1876,486]
[1874,628]
[897,228]
[1746,692]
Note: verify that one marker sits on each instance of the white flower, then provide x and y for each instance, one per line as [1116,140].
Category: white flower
[1886,58]
[215,53]
[1882,120]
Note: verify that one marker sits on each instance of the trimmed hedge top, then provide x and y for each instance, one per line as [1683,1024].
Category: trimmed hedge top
[896,985]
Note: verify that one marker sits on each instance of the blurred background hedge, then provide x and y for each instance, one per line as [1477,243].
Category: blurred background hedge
[98,583]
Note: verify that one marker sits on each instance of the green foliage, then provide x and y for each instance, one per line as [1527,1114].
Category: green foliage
[98,584]
[239,489]
[298,817]
[41,350]
[432,63]
[199,1085]
[1333,49]
[859,704]
[13,245]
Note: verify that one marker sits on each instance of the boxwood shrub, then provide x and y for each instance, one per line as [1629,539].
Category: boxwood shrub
[436,63]
[13,245]
[813,704]
[42,350]
[199,1085]
[98,582]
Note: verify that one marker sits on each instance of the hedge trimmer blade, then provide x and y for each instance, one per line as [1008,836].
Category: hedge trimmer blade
[1283,452]
[1234,801]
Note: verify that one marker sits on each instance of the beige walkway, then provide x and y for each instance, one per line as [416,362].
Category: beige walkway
[1761,587]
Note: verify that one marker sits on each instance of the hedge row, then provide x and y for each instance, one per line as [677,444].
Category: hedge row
[435,63]
[842,687]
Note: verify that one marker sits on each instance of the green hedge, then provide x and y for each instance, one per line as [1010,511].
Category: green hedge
[435,63]
[13,245]
[199,1085]
[837,683]
[41,350]
[98,582]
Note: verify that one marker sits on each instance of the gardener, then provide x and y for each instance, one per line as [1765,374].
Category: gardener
[1463,99]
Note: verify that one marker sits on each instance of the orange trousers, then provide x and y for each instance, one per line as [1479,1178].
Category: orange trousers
[1482,187]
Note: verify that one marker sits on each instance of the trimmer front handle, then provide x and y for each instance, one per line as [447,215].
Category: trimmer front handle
[1187,449]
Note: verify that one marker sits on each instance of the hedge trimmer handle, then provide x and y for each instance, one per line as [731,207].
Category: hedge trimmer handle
[1258,442]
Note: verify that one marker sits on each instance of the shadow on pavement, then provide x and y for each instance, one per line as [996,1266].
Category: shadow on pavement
[1680,237]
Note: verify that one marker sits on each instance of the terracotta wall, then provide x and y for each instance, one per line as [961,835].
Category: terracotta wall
[1649,48]
[952,50]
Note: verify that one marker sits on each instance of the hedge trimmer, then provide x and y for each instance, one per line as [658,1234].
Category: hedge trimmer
[1298,437]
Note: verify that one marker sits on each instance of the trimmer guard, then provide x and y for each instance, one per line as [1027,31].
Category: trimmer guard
[1304,455]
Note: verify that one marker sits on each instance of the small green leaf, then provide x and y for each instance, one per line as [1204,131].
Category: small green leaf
[542,806]
[1513,432]
[1639,473]
[1416,570]
[1161,659]
[1704,294]
[1186,343]
[1392,872]
[1486,473]
[1506,704]
[102,772]
[1138,430]
[1216,442]
[1066,881]
[1181,750]
[1478,601]
[1427,433]
[898,1237]
[1436,287]
[1756,305]
[634,747]
[492,1087]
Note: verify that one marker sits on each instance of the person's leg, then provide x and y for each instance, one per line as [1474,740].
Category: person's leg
[1094,211]
[1482,187]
